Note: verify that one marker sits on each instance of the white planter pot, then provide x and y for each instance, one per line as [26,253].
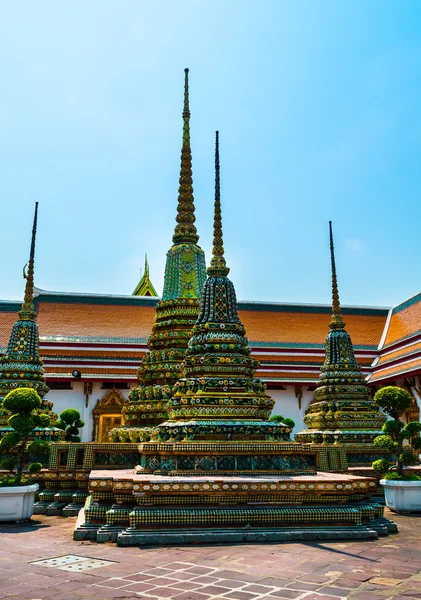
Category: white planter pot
[402,496]
[17,502]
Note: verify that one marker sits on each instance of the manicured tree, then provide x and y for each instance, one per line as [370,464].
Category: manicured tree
[394,401]
[279,419]
[23,404]
[70,423]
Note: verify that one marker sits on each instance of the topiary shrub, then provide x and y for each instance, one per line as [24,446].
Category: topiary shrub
[279,419]
[70,422]
[23,404]
[394,401]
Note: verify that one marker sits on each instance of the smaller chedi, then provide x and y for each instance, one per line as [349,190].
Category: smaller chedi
[176,312]
[21,365]
[342,410]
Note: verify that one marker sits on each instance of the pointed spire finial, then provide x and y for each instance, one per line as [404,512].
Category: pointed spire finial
[27,311]
[146,265]
[185,230]
[218,265]
[336,321]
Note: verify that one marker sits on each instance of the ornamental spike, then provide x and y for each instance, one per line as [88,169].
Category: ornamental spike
[336,321]
[218,265]
[146,265]
[185,230]
[27,312]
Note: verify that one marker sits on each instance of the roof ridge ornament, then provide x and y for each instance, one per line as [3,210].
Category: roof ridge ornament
[218,266]
[145,286]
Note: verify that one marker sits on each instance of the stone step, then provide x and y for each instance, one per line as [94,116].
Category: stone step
[138,537]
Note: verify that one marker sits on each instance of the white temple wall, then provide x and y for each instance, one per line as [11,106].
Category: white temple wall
[75,398]
[287,405]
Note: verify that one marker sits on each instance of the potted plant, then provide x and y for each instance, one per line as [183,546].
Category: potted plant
[17,493]
[402,488]
[70,422]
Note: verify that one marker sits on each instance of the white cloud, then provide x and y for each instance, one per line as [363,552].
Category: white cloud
[356,245]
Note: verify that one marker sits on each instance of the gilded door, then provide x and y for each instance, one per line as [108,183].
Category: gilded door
[106,423]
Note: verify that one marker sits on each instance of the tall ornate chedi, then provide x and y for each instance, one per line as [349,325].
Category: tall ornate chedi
[341,410]
[176,313]
[218,400]
[21,365]
[218,396]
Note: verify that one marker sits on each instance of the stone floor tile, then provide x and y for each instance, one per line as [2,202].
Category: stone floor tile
[163,592]
[206,579]
[200,570]
[183,575]
[111,583]
[138,577]
[135,587]
[230,583]
[240,595]
[334,591]
[213,590]
[104,593]
[347,583]
[159,572]
[305,587]
[186,586]
[313,578]
[191,596]
[237,576]
[321,597]
[163,581]
[284,593]
[361,575]
[367,596]
[258,589]
[273,581]
[68,596]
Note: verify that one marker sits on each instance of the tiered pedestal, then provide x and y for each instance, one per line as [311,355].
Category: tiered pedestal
[256,458]
[147,509]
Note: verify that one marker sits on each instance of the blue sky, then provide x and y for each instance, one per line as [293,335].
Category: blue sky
[318,104]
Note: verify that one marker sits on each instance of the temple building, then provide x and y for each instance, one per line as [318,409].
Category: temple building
[91,345]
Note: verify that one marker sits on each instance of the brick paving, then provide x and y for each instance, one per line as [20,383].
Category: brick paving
[388,569]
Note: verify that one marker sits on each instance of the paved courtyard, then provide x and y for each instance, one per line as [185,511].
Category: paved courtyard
[389,568]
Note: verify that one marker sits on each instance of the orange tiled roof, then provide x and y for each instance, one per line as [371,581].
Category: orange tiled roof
[400,369]
[288,376]
[79,317]
[92,370]
[104,321]
[405,320]
[303,359]
[133,354]
[401,352]
[309,327]
[6,323]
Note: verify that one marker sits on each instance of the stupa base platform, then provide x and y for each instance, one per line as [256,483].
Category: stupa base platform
[132,509]
[232,458]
